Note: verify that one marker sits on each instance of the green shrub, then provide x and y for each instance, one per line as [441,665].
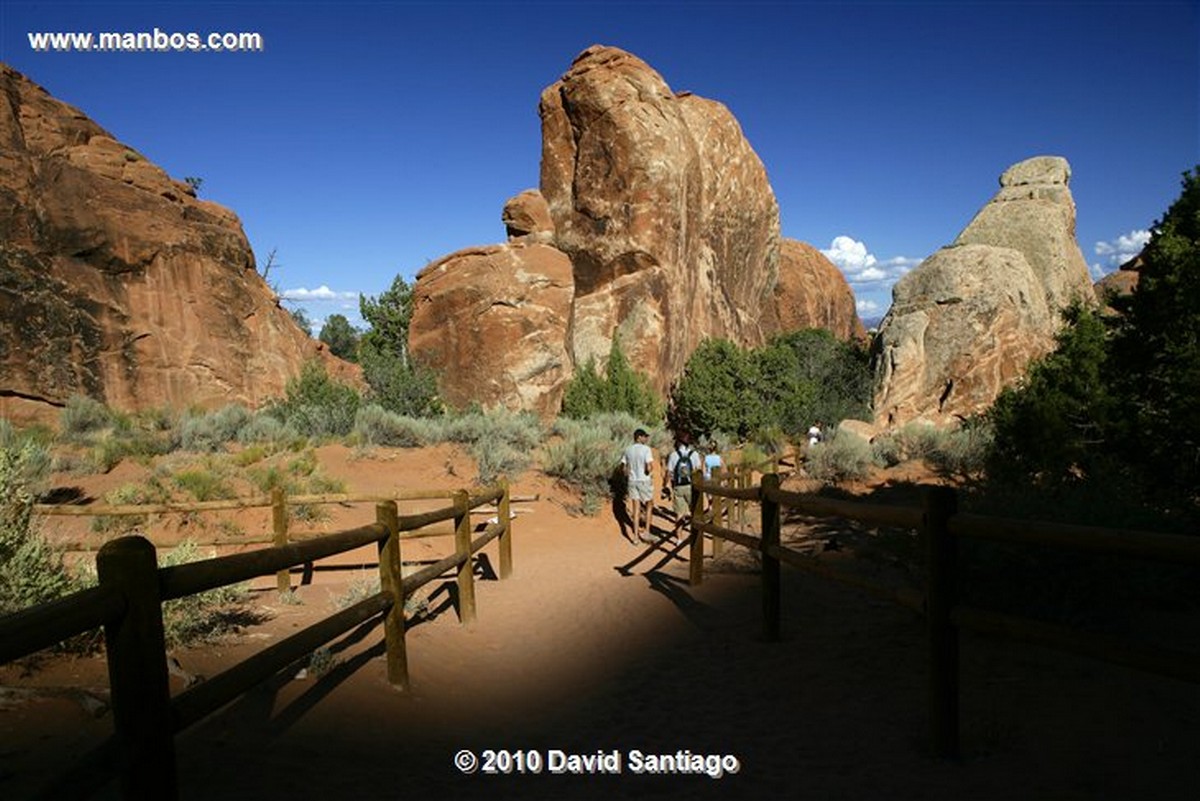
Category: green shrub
[887,449]
[204,485]
[621,389]
[374,425]
[519,429]
[845,457]
[126,495]
[587,458]
[36,460]
[106,453]
[964,451]
[315,405]
[496,456]
[792,381]
[266,429]
[31,570]
[82,416]
[210,431]
[206,616]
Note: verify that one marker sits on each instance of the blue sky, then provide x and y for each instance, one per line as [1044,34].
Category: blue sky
[367,139]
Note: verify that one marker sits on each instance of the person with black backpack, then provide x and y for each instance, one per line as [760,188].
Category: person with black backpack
[677,483]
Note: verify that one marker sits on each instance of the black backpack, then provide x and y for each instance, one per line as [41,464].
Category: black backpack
[683,469]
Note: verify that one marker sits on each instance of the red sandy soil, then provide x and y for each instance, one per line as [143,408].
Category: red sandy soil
[594,645]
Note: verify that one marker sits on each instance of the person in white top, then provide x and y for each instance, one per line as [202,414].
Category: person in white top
[814,434]
[678,482]
[638,461]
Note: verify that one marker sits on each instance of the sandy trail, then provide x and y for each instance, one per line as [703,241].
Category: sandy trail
[576,655]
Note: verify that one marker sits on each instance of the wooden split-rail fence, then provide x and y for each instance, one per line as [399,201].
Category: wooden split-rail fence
[128,600]
[940,527]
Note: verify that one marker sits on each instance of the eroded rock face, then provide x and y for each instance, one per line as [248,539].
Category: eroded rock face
[492,322]
[962,326]
[116,282]
[813,293]
[664,210]
[526,217]
[1034,213]
[967,322]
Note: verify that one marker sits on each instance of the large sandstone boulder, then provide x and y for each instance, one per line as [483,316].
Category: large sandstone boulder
[526,217]
[1120,283]
[962,326]
[492,322]
[664,210]
[116,282]
[967,322]
[971,318]
[812,293]
[1034,213]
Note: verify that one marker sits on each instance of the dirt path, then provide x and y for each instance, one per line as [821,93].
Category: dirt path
[585,650]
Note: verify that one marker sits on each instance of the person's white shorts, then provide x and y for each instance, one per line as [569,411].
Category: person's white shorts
[641,490]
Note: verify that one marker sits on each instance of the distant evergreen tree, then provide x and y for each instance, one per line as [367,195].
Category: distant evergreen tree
[340,336]
[302,320]
[396,384]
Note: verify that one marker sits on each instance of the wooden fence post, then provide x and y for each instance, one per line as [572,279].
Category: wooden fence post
[279,519]
[696,551]
[719,509]
[743,482]
[137,671]
[391,579]
[770,563]
[941,556]
[504,515]
[462,545]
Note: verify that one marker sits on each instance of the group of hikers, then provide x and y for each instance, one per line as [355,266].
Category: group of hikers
[638,463]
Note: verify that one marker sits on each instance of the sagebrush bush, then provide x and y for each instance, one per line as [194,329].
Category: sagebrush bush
[210,431]
[205,484]
[963,451]
[31,571]
[519,429]
[266,429]
[36,460]
[374,425]
[82,416]
[206,616]
[887,450]
[495,456]
[845,457]
[587,458]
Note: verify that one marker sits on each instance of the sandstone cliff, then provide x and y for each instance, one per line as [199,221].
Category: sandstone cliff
[116,282]
[664,210]
[967,322]
[661,215]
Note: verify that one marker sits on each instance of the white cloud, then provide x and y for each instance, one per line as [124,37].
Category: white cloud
[320,294]
[1116,252]
[860,266]
[866,307]
[849,254]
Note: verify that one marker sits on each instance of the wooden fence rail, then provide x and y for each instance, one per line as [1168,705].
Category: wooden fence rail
[940,527]
[132,588]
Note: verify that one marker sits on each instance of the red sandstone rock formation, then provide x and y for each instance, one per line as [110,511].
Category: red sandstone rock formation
[813,293]
[492,322]
[664,210]
[527,216]
[117,282]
